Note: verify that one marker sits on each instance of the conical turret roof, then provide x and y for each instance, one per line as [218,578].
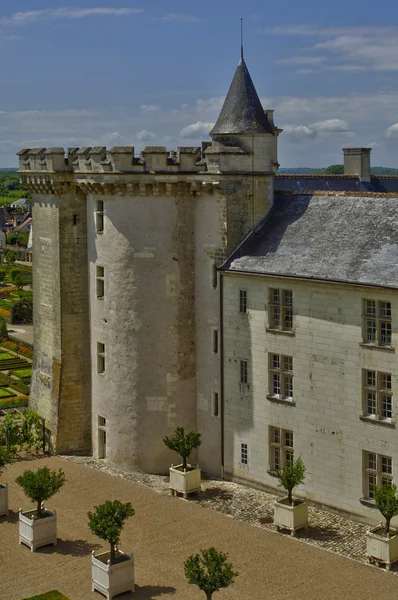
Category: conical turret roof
[242,111]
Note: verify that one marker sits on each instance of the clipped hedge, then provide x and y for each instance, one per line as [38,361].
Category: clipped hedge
[5,393]
[14,402]
[19,386]
[23,347]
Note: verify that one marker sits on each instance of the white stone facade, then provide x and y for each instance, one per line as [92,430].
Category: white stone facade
[324,414]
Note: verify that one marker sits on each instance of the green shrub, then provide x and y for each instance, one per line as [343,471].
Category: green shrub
[41,485]
[14,274]
[5,458]
[107,523]
[183,443]
[21,312]
[210,572]
[292,474]
[386,500]
[14,402]
[21,373]
[19,386]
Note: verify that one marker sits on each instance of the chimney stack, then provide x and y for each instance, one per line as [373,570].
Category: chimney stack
[357,162]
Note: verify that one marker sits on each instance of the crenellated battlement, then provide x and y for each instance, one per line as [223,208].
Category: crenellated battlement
[119,159]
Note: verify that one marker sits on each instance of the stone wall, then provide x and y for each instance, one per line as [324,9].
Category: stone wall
[328,359]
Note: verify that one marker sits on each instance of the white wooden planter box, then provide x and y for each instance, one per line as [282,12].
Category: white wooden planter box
[111,580]
[37,532]
[380,548]
[185,482]
[290,517]
[3,500]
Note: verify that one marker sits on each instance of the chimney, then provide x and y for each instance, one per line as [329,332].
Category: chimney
[357,162]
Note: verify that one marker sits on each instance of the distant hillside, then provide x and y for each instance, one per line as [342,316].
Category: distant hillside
[309,171]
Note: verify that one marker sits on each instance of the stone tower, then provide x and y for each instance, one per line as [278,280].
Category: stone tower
[127,335]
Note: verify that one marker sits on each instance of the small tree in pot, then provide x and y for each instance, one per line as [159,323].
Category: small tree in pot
[113,571]
[210,572]
[184,478]
[39,527]
[291,513]
[381,545]
[5,459]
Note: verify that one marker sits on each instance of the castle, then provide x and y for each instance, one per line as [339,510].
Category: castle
[198,288]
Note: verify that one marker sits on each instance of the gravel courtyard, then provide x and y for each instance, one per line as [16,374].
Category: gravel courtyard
[162,534]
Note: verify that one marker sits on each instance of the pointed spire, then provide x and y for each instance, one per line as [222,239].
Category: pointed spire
[242,111]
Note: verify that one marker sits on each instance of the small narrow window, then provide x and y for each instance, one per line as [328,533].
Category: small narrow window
[243,301]
[99,216]
[244,377]
[216,406]
[101,437]
[100,282]
[74,219]
[215,341]
[100,357]
[214,275]
[244,454]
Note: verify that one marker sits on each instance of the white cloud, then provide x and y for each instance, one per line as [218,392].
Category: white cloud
[66,12]
[196,130]
[298,133]
[331,126]
[178,17]
[209,104]
[112,138]
[150,108]
[392,130]
[301,60]
[145,136]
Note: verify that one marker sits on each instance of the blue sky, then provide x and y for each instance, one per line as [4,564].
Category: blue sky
[102,72]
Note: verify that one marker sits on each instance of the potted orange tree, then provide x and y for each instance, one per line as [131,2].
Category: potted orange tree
[291,513]
[184,478]
[210,572]
[113,570]
[382,541]
[38,527]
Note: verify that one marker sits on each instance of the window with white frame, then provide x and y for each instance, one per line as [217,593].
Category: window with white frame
[377,472]
[244,453]
[244,371]
[280,448]
[100,281]
[376,323]
[280,369]
[280,309]
[243,301]
[100,357]
[377,395]
[99,216]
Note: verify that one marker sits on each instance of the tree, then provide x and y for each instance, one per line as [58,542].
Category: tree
[183,443]
[334,170]
[2,276]
[14,274]
[210,572]
[5,458]
[107,523]
[41,485]
[10,257]
[3,329]
[21,311]
[292,474]
[18,282]
[387,502]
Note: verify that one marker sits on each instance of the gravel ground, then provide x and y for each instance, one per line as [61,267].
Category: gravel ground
[165,530]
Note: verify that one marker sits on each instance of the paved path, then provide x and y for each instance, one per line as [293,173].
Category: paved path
[23,332]
[164,531]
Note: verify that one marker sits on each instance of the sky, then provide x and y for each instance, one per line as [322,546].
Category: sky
[118,72]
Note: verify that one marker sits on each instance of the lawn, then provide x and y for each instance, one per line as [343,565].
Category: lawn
[6,356]
[53,595]
[4,393]
[23,373]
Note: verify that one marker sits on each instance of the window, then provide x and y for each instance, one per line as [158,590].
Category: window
[280,448]
[244,454]
[101,437]
[99,216]
[244,378]
[214,275]
[377,471]
[216,406]
[280,378]
[280,309]
[243,301]
[377,327]
[377,395]
[100,282]
[100,357]
[215,340]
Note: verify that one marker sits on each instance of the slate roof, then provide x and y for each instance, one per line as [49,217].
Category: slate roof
[242,111]
[336,183]
[334,238]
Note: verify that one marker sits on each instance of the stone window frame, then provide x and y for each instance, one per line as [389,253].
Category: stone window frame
[281,448]
[376,390]
[244,371]
[100,358]
[100,281]
[376,323]
[244,454]
[99,216]
[280,369]
[280,310]
[243,302]
[377,470]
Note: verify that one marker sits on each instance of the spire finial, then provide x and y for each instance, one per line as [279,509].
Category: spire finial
[241,38]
